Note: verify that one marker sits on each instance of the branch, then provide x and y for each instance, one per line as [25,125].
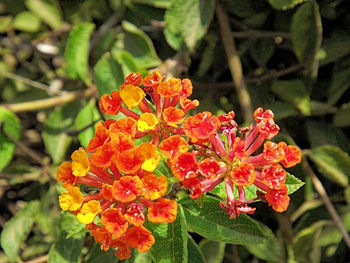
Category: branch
[260,34]
[50,102]
[327,202]
[235,64]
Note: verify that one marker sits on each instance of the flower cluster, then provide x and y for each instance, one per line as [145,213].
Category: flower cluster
[113,185]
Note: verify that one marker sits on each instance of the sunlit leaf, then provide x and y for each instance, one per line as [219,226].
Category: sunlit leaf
[171,240]
[77,51]
[26,21]
[47,10]
[187,22]
[284,4]
[108,74]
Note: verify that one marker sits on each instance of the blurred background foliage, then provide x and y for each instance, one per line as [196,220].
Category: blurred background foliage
[58,57]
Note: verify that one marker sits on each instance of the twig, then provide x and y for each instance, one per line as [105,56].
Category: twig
[28,82]
[327,202]
[33,155]
[235,64]
[260,34]
[50,102]
[103,29]
[270,75]
[41,259]
[276,74]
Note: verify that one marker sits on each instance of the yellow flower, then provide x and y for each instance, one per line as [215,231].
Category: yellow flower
[80,164]
[71,200]
[132,95]
[147,121]
[89,211]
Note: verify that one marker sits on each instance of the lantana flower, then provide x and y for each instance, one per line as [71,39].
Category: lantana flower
[119,165]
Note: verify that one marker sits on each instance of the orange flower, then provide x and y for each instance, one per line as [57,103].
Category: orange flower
[147,121]
[152,80]
[103,155]
[243,175]
[71,200]
[106,192]
[162,211]
[199,127]
[292,155]
[154,187]
[89,211]
[185,166]
[173,146]
[149,155]
[274,176]
[111,105]
[131,95]
[173,116]
[187,104]
[139,238]
[265,123]
[127,188]
[273,152]
[102,236]
[186,88]
[238,149]
[209,167]
[129,161]
[278,198]
[123,250]
[134,78]
[114,222]
[121,141]
[80,164]
[169,88]
[65,175]
[101,136]
[125,125]
[134,214]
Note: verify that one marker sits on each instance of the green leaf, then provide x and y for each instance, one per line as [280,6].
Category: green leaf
[9,125]
[306,243]
[87,116]
[282,110]
[97,255]
[306,29]
[294,92]
[47,10]
[340,84]
[195,254]
[171,240]
[108,74]
[139,45]
[342,117]
[65,250]
[72,227]
[17,229]
[332,162]
[336,47]
[77,52]
[128,62]
[262,50]
[26,21]
[285,4]
[293,183]
[187,22]
[213,251]
[269,250]
[213,223]
[54,134]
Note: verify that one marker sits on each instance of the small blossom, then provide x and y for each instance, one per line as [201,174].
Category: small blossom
[89,211]
[80,164]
